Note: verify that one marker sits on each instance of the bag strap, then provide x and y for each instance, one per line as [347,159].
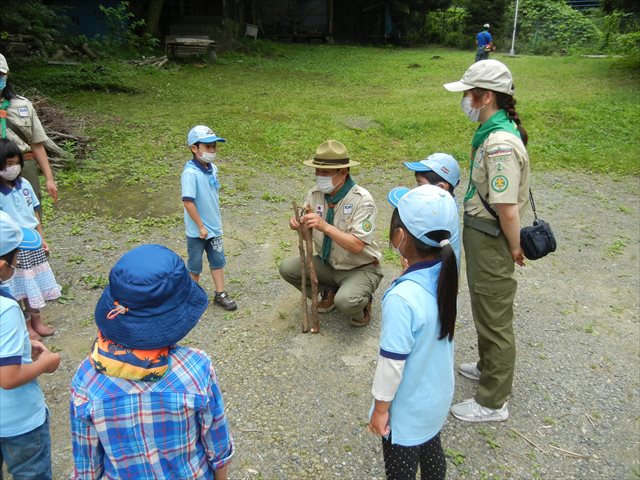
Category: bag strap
[495,215]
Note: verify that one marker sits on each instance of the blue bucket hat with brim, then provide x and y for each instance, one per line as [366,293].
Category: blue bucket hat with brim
[151,301]
[425,209]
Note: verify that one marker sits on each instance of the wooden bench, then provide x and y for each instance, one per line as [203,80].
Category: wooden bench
[182,46]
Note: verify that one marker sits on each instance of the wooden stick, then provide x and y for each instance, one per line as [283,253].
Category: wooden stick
[315,321]
[527,440]
[303,271]
[590,420]
[569,452]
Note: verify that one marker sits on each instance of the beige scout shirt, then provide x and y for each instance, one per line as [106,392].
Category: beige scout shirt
[354,214]
[501,174]
[21,115]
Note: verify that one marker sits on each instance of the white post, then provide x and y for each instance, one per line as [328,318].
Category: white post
[513,39]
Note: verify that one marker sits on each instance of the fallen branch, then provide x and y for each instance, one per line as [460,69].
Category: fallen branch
[568,452]
[527,440]
[590,420]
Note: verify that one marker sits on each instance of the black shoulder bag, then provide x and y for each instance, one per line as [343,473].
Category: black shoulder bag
[536,241]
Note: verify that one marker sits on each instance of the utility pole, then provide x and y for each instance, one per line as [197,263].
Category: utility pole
[512,52]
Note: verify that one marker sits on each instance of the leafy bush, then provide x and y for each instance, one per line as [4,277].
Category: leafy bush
[446,27]
[123,28]
[552,26]
[31,17]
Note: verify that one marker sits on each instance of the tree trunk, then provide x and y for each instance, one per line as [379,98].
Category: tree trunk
[153,17]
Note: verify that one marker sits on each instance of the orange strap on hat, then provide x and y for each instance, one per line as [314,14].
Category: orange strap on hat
[118,310]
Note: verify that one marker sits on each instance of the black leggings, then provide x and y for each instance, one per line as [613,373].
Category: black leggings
[401,463]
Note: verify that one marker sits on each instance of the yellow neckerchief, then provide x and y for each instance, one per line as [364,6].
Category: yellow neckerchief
[132,364]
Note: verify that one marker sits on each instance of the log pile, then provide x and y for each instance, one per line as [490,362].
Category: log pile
[156,62]
[65,145]
[20,45]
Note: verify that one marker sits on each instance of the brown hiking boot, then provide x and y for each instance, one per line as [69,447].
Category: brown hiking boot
[325,305]
[367,317]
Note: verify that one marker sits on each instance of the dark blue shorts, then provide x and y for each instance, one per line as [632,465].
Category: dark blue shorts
[215,254]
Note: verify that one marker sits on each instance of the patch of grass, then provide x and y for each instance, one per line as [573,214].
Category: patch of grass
[95,281]
[456,456]
[267,107]
[617,247]
[273,197]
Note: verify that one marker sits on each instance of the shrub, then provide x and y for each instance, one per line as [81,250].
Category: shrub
[31,17]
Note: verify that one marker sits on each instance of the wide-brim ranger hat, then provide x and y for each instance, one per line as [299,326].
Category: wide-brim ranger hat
[331,154]
[12,236]
[425,209]
[489,74]
[151,301]
[202,134]
[441,163]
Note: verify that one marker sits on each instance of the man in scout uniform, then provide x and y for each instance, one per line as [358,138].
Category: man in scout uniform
[19,123]
[343,218]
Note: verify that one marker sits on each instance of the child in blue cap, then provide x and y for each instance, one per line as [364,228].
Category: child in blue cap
[414,381]
[25,442]
[202,217]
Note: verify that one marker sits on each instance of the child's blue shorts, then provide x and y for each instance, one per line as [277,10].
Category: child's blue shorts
[215,254]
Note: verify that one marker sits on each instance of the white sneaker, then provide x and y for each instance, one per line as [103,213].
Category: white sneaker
[472,411]
[469,370]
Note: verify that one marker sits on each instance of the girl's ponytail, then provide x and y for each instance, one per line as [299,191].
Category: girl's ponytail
[447,291]
[508,103]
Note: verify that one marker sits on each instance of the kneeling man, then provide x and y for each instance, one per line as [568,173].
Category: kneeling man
[342,215]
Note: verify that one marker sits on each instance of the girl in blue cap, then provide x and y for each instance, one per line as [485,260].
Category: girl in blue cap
[414,381]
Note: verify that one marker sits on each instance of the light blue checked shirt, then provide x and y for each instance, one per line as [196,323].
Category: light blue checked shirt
[174,428]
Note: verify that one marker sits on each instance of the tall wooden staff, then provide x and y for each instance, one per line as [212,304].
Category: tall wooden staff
[306,267]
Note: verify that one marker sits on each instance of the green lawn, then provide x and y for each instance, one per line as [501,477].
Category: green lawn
[386,104]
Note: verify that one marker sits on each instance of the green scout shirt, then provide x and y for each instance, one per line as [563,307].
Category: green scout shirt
[354,214]
[22,116]
[500,173]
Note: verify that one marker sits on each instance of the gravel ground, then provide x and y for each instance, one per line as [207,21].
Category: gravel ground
[298,403]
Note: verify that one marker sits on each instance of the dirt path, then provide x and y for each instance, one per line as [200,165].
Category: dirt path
[298,403]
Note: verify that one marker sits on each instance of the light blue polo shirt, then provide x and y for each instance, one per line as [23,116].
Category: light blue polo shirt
[410,330]
[200,185]
[20,202]
[22,409]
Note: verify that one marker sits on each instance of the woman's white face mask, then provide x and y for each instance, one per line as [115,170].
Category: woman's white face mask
[467,107]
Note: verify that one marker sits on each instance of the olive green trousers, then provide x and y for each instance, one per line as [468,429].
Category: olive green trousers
[354,287]
[492,290]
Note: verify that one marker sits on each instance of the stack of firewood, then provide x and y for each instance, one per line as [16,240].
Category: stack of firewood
[65,144]
[19,45]
[157,62]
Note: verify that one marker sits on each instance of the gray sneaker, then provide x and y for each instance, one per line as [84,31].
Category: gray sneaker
[472,411]
[469,370]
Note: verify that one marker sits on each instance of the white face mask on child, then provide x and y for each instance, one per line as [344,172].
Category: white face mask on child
[10,173]
[7,280]
[208,157]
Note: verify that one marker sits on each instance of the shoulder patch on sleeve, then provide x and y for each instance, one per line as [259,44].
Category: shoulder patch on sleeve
[499,183]
[367,225]
[500,151]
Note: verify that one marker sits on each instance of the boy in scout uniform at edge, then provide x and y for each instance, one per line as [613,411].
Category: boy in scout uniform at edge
[342,215]
[19,123]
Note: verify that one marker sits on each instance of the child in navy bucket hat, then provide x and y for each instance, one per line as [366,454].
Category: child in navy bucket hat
[25,442]
[414,379]
[137,383]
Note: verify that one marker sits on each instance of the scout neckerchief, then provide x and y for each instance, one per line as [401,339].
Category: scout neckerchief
[499,121]
[331,202]
[131,364]
[3,117]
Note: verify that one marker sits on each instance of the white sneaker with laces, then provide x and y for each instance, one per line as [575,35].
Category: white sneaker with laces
[469,370]
[471,411]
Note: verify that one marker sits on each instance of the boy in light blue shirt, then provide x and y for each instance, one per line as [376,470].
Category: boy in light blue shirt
[203,222]
[25,444]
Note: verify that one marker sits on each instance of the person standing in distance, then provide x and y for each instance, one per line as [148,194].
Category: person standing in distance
[497,196]
[484,43]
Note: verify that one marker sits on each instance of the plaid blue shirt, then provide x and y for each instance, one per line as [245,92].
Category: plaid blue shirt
[174,428]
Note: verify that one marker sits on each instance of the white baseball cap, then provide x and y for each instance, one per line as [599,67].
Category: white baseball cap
[425,209]
[4,66]
[489,74]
